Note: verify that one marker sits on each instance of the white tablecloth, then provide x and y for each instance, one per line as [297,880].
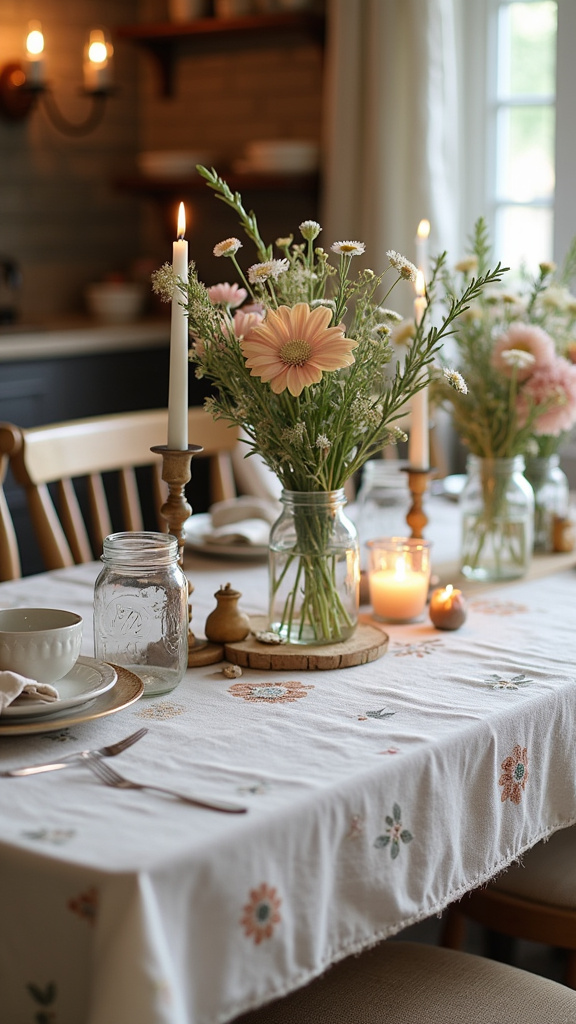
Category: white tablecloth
[376,795]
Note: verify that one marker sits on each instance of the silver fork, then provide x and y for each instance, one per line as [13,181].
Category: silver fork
[112,778]
[78,755]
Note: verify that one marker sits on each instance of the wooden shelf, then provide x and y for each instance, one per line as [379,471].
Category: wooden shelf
[195,185]
[169,41]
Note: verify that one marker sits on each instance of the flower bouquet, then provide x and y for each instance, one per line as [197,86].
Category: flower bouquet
[514,392]
[297,348]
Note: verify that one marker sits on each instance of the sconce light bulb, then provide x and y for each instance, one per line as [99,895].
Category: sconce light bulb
[35,39]
[97,52]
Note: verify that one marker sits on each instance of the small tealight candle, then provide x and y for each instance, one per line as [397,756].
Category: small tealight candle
[398,578]
[448,608]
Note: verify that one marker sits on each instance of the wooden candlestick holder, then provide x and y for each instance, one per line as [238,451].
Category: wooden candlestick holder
[176,473]
[418,484]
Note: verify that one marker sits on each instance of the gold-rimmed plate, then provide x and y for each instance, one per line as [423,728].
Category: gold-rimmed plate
[127,689]
[87,680]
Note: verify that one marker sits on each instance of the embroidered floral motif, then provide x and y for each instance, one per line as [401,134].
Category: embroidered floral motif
[488,607]
[261,913]
[165,709]
[356,827]
[497,682]
[61,736]
[258,788]
[514,775]
[45,996]
[394,834]
[57,836]
[85,905]
[270,693]
[418,647]
[381,713]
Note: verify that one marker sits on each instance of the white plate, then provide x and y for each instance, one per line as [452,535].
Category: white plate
[198,526]
[127,689]
[86,681]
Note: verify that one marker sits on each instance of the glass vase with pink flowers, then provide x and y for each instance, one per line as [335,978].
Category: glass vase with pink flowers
[297,350]
[515,349]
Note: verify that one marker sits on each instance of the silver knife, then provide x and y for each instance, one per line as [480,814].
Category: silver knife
[70,759]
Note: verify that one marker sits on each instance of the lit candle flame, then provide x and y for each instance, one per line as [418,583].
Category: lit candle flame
[447,593]
[400,568]
[423,229]
[181,230]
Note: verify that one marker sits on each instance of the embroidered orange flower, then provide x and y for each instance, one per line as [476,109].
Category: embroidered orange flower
[261,914]
[514,775]
[293,347]
[271,693]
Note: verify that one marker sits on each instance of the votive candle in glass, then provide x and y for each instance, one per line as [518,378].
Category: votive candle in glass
[398,577]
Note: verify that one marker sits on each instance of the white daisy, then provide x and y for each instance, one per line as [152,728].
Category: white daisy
[310,229]
[348,248]
[517,357]
[260,272]
[456,381]
[402,265]
[229,247]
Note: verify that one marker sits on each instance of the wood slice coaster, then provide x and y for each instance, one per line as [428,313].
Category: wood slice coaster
[368,643]
[202,652]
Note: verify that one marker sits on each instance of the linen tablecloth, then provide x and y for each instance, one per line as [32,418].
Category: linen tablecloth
[376,796]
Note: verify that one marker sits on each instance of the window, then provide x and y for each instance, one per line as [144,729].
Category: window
[518,82]
[521,120]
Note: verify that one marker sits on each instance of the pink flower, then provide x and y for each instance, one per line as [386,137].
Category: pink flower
[553,386]
[227,295]
[524,338]
[244,322]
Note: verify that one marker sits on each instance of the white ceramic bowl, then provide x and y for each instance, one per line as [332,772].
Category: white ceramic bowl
[40,643]
[116,302]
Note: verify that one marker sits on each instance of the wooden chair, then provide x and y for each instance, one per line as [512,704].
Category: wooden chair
[534,900]
[413,983]
[60,454]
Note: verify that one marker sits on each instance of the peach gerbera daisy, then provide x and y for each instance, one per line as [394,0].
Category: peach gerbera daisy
[293,347]
[524,338]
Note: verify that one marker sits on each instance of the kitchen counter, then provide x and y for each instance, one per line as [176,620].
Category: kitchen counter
[79,337]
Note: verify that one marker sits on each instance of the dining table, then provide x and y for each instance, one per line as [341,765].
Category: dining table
[376,794]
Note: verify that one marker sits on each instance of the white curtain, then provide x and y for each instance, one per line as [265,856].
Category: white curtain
[391,145]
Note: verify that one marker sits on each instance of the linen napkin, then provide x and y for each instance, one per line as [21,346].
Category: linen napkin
[254,532]
[245,521]
[19,689]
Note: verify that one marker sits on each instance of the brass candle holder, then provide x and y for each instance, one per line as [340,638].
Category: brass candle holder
[176,473]
[418,484]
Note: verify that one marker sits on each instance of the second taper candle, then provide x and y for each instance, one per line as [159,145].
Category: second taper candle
[178,386]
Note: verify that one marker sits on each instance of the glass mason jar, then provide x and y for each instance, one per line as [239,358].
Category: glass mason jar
[382,504]
[141,609]
[497,506]
[314,569]
[551,497]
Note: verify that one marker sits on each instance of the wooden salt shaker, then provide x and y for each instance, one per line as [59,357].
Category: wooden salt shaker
[227,624]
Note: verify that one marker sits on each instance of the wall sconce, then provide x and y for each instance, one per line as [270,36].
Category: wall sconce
[23,84]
